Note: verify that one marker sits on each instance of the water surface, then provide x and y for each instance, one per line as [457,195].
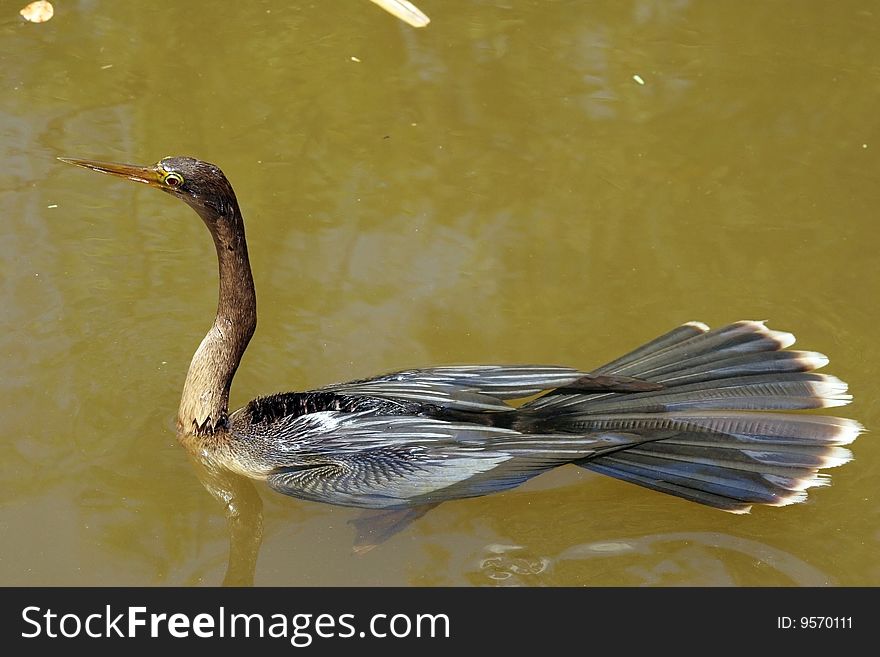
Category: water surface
[540,181]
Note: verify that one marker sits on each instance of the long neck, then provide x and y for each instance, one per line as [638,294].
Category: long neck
[204,405]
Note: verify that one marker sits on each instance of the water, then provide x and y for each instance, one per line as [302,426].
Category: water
[538,181]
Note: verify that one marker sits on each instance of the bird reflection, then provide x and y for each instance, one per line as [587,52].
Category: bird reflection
[243,509]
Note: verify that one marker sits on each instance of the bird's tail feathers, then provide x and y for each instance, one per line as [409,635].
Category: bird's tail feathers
[725,459]
[713,433]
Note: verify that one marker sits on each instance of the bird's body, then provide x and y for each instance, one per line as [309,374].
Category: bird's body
[694,413]
[407,438]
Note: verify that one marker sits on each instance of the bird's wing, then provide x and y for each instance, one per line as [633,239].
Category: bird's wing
[395,461]
[484,387]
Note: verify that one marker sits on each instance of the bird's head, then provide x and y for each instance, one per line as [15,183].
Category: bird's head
[199,184]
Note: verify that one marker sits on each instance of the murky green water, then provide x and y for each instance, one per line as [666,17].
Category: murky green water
[498,187]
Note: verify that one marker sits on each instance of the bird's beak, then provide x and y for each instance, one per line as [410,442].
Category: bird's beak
[146,175]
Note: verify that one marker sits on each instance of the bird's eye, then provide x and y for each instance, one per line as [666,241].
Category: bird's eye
[173,179]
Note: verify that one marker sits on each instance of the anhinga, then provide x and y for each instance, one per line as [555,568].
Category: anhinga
[694,413]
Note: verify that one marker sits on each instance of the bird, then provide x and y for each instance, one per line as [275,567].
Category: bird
[701,414]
